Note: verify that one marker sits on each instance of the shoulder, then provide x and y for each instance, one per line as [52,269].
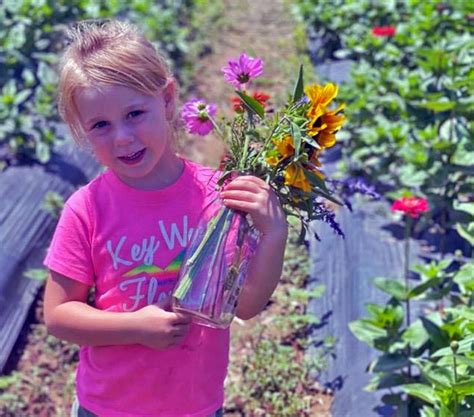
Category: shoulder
[81,200]
[203,175]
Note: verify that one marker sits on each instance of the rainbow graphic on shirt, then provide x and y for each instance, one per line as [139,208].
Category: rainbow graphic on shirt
[171,269]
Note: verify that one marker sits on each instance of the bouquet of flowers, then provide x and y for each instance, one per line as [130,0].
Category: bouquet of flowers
[283,148]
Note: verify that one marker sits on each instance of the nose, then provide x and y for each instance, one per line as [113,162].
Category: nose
[123,135]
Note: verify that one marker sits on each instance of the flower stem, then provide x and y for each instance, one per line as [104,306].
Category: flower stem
[245,153]
[222,234]
[407,266]
[216,126]
[407,283]
[456,406]
[185,282]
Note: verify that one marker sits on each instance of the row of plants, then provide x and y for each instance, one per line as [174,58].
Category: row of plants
[430,358]
[410,132]
[31,38]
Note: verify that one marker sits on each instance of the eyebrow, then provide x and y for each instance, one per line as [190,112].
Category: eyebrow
[126,110]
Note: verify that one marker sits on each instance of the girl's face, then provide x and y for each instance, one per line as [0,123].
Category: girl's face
[130,133]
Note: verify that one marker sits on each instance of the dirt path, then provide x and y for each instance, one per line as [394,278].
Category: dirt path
[265,29]
[262,28]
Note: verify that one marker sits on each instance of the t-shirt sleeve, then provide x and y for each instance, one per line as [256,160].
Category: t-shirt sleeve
[70,251]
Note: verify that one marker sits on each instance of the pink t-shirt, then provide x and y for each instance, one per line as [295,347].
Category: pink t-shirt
[129,244]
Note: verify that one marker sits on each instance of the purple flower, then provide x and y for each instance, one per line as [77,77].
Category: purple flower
[353,185]
[196,114]
[321,212]
[240,72]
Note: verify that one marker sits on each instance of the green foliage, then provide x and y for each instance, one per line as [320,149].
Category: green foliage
[30,40]
[410,96]
[53,203]
[440,344]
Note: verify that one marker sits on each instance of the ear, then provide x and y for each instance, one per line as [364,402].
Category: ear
[169,95]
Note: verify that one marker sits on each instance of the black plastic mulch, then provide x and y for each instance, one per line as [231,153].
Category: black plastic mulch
[26,229]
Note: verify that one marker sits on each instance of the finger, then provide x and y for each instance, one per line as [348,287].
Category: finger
[181,318]
[246,206]
[238,195]
[179,331]
[249,182]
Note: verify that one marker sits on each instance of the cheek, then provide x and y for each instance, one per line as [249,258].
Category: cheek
[102,152]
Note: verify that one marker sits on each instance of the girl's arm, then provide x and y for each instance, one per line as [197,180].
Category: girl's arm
[69,317]
[263,276]
[254,196]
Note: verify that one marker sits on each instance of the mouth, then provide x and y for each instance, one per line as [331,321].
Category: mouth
[133,158]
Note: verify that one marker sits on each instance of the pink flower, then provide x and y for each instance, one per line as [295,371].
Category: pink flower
[240,72]
[196,114]
[384,31]
[411,206]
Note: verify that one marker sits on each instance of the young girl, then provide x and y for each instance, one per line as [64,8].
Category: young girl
[125,232]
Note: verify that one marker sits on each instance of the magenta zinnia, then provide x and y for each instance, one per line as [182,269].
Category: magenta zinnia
[197,115]
[239,72]
[411,206]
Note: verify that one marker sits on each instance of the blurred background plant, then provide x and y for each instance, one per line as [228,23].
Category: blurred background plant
[409,97]
[30,39]
[410,132]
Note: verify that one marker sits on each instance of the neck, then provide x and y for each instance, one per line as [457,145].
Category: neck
[166,172]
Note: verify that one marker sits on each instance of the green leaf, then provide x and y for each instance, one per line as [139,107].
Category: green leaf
[251,104]
[438,106]
[381,381]
[38,274]
[389,362]
[465,277]
[439,376]
[296,134]
[415,335]
[424,392]
[466,207]
[299,86]
[466,232]
[411,176]
[437,335]
[8,380]
[43,152]
[465,346]
[392,287]
[427,411]
[420,289]
[366,331]
[21,97]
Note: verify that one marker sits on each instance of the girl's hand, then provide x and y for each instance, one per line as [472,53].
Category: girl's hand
[160,329]
[254,196]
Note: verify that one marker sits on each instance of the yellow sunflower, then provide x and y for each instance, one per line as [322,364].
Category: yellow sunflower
[294,176]
[285,147]
[320,97]
[325,127]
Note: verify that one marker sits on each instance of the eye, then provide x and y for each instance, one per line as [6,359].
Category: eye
[135,113]
[99,125]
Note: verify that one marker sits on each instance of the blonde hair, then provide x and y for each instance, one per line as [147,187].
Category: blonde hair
[107,52]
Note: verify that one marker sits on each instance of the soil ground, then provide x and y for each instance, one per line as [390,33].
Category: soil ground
[261,28]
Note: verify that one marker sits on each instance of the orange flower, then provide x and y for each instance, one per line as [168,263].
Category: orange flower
[294,176]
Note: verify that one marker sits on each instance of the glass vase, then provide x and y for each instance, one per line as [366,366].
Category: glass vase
[214,266]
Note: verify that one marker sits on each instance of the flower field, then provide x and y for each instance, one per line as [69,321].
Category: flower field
[398,135]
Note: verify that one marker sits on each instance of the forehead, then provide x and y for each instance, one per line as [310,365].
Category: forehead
[91,101]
